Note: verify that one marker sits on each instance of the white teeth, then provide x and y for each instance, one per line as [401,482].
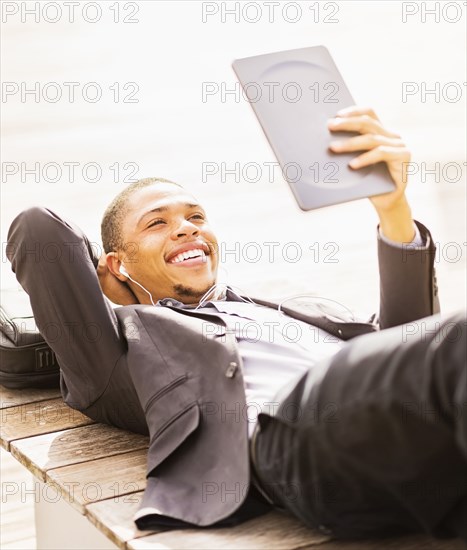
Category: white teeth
[189,254]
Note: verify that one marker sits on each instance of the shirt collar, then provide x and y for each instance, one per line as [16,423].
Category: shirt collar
[226,293]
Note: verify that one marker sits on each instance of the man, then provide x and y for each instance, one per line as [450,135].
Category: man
[356,436]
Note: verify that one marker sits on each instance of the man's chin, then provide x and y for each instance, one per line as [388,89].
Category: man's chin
[192,294]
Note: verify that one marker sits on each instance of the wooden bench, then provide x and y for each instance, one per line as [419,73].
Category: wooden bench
[90,478]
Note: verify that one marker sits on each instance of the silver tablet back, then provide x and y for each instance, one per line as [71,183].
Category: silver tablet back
[293,93]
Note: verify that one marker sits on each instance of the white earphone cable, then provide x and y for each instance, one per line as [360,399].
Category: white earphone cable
[125,272]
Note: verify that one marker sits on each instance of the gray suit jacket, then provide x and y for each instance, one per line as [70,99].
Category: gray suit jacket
[156,370]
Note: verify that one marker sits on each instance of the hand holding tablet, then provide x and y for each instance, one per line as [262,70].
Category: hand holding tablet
[294,94]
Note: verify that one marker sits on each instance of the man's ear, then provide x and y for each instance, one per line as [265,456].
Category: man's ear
[113,265]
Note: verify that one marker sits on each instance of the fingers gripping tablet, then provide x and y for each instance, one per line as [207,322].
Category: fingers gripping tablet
[293,94]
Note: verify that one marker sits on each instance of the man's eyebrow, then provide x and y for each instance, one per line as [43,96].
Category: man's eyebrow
[165,208]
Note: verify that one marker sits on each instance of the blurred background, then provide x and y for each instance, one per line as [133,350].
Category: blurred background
[103,93]
[149,81]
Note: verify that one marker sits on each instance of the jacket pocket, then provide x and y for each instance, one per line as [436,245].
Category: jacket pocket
[171,434]
[176,382]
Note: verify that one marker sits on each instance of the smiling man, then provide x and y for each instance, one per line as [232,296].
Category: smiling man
[163,234]
[354,421]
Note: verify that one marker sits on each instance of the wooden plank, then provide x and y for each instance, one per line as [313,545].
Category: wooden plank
[32,419]
[114,518]
[13,398]
[104,478]
[415,542]
[45,452]
[274,531]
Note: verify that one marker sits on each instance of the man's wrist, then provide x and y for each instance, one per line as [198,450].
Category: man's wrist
[396,223]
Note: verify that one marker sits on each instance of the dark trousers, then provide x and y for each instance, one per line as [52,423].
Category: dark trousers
[375,441]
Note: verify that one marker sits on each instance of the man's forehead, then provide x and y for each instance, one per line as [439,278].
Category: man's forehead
[161,195]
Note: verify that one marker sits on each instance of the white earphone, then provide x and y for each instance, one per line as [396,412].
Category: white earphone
[124,272]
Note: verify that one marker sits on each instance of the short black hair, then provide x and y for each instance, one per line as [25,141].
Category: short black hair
[112,221]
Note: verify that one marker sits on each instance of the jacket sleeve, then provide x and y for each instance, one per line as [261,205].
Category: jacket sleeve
[408,289]
[54,262]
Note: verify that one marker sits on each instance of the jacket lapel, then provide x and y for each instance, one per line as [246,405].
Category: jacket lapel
[319,314]
[312,310]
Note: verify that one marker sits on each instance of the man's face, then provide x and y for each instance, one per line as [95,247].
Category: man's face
[169,246]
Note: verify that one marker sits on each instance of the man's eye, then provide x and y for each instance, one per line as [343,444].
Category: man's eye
[155,222]
[199,216]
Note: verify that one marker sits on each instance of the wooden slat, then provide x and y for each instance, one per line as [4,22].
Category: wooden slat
[115,518]
[271,532]
[32,419]
[44,452]
[13,398]
[104,478]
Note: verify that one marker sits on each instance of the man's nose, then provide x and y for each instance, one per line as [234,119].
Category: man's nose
[185,227]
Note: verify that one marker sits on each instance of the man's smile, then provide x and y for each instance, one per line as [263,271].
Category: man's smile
[190,254]
[195,261]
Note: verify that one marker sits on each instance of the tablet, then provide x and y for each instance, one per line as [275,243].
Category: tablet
[293,94]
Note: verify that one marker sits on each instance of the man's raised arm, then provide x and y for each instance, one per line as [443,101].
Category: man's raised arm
[406,251]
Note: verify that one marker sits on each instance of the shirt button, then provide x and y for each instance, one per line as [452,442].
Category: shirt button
[231,369]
